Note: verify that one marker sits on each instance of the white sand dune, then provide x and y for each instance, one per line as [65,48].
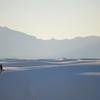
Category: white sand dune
[51,82]
[91,73]
[48,65]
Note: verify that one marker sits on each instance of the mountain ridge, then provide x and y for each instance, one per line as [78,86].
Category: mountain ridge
[15,44]
[77,37]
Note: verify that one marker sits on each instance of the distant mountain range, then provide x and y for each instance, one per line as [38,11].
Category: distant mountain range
[14,44]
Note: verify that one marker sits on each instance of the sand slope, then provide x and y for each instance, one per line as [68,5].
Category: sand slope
[52,82]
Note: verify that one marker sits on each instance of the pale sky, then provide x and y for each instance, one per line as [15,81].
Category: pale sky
[52,18]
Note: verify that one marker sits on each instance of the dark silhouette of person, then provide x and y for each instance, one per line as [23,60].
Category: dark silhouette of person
[1,67]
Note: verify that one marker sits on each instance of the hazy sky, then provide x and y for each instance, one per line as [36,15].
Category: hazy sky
[52,18]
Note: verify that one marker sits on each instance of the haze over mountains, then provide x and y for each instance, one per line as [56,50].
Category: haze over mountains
[14,44]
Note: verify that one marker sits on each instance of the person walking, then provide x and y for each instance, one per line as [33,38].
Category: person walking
[1,67]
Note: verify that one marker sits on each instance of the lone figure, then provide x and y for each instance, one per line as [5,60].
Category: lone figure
[1,67]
